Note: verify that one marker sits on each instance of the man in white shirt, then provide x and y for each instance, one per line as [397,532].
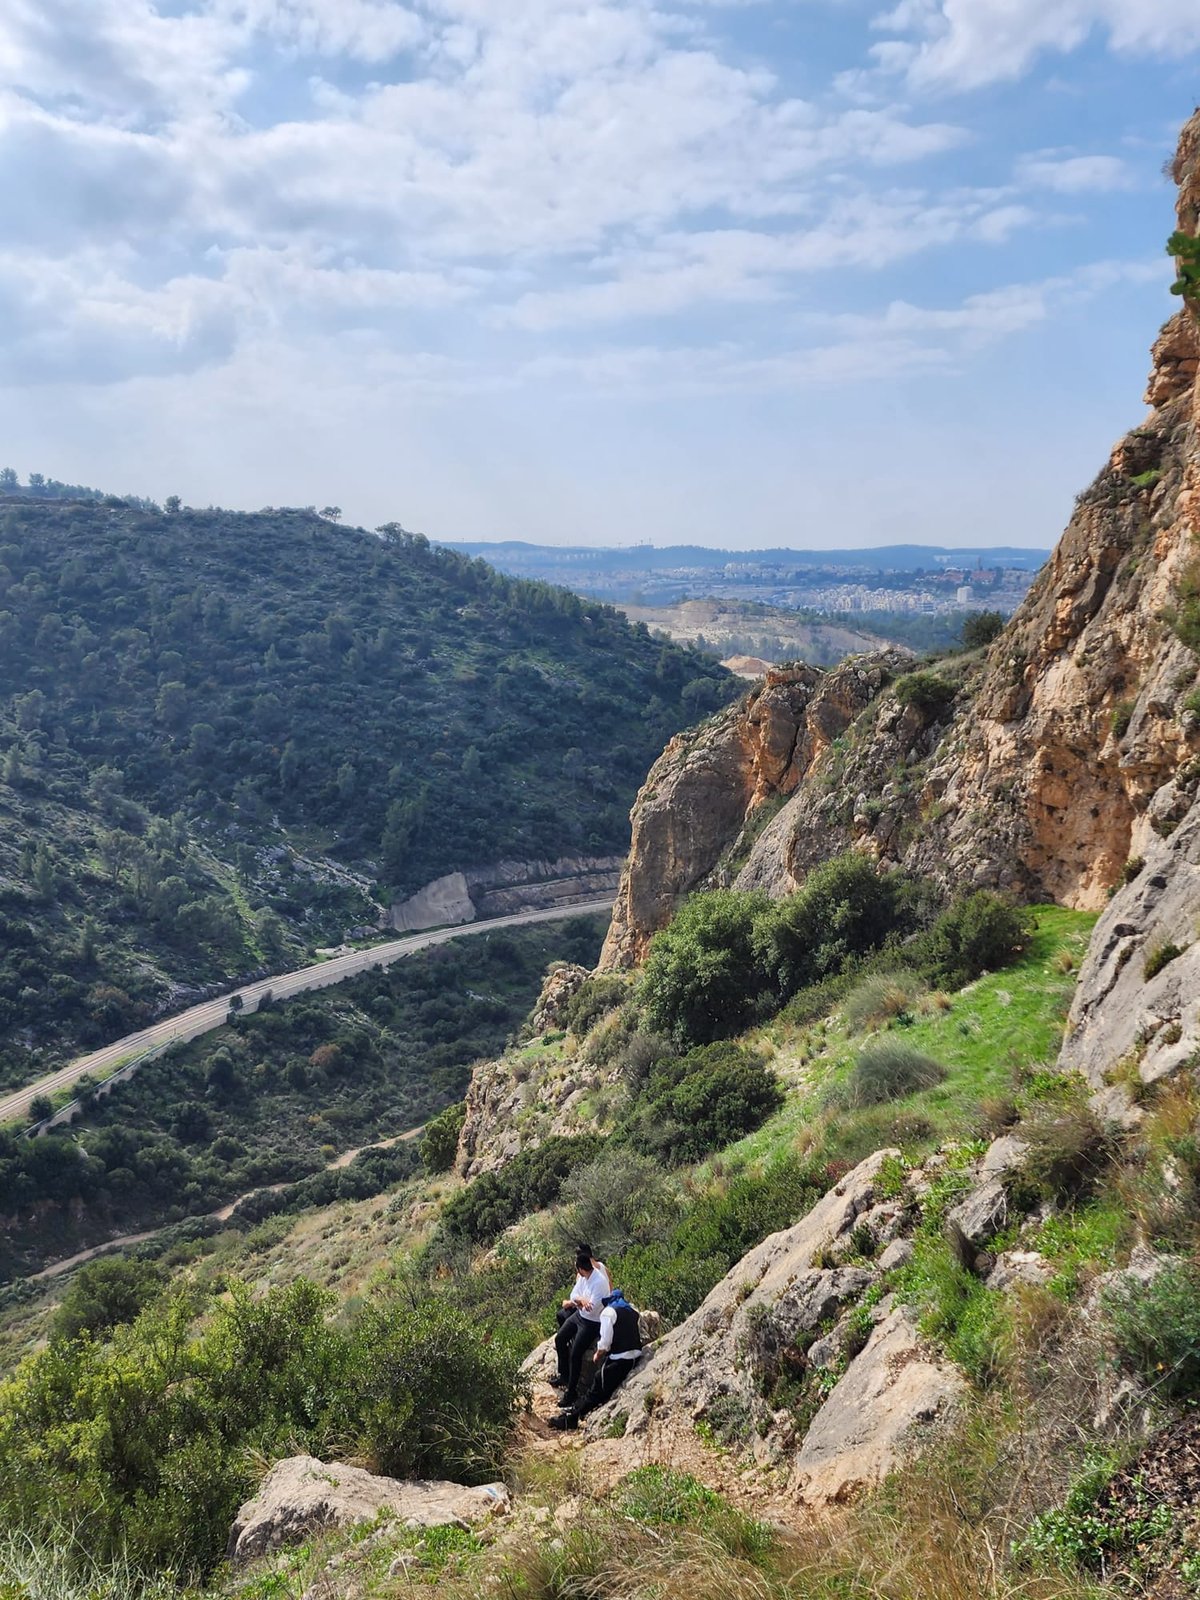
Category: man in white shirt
[618,1350]
[580,1326]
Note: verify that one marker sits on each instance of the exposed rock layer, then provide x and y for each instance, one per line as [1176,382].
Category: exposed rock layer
[707,786]
[1065,751]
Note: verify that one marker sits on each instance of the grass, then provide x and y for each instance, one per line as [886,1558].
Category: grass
[1025,1006]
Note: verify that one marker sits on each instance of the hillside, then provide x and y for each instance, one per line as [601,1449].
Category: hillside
[226,739]
[737,627]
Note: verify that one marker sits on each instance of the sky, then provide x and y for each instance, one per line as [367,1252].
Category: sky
[824,273]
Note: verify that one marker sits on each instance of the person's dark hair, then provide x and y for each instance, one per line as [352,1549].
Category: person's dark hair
[583,1261]
[584,1249]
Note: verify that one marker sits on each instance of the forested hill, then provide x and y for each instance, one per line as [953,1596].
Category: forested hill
[204,713]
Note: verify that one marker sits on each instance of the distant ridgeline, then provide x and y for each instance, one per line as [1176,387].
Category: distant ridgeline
[225,737]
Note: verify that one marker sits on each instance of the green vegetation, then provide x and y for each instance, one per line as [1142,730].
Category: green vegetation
[690,1105]
[729,957]
[201,775]
[440,1139]
[889,1069]
[980,628]
[928,692]
[1185,247]
[1160,956]
[273,1097]
[142,1444]
[1156,1327]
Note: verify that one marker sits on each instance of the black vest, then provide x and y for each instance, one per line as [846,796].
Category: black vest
[627,1334]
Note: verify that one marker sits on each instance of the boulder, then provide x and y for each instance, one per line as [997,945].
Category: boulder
[977,1219]
[893,1394]
[302,1496]
[1016,1267]
[699,1370]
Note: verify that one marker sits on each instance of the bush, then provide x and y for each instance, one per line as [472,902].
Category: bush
[1159,957]
[614,1200]
[660,1497]
[638,1056]
[1122,716]
[437,1394]
[105,1294]
[846,907]
[591,1001]
[881,998]
[1156,1328]
[531,1180]
[926,692]
[1067,1151]
[977,933]
[980,628]
[888,1070]
[700,1102]
[702,977]
[439,1144]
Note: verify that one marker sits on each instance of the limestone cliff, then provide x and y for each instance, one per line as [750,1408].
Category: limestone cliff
[709,787]
[1065,752]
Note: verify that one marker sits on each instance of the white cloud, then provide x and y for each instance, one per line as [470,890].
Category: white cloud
[963,44]
[1075,174]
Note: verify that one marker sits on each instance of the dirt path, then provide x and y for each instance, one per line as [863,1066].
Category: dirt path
[222,1215]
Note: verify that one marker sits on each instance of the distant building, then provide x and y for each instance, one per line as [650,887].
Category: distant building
[964,594]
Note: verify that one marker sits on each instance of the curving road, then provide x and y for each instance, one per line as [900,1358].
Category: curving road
[119,1061]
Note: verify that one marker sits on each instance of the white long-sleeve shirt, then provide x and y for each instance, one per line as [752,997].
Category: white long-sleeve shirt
[608,1321]
[590,1291]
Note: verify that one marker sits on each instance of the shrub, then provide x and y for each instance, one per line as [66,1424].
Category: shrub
[977,933]
[1159,957]
[592,1000]
[617,1198]
[702,977]
[531,1180]
[1131,868]
[700,1102]
[1122,716]
[926,692]
[1156,1327]
[882,997]
[815,1000]
[1067,1151]
[980,628]
[105,1294]
[889,1070]
[437,1394]
[439,1144]
[846,907]
[637,1057]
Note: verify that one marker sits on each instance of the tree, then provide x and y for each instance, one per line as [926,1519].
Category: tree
[440,1141]
[9,482]
[980,628]
[332,513]
[702,978]
[172,505]
[104,1295]
[40,1107]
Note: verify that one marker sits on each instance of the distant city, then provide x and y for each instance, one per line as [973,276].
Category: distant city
[924,580]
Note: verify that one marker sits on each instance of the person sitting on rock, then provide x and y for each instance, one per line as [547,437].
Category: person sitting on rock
[579,1322]
[617,1352]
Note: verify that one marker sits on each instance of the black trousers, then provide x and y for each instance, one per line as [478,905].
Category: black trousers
[609,1378]
[573,1340]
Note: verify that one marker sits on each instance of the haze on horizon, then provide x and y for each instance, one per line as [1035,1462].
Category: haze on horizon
[741,273]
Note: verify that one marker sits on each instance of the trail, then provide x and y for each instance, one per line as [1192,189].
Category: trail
[223,1214]
[118,1061]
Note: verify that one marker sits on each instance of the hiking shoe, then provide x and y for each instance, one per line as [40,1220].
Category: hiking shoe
[558,1383]
[567,1401]
[565,1421]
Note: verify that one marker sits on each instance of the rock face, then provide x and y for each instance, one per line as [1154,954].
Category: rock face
[892,1391]
[765,1324]
[1065,751]
[505,888]
[708,786]
[302,1496]
[1150,1026]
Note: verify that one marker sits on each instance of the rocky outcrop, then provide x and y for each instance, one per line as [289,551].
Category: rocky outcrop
[562,983]
[893,1391]
[302,1496]
[705,791]
[790,1307]
[1136,1012]
[1065,751]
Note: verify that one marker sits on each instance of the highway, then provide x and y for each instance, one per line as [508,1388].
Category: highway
[116,1062]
